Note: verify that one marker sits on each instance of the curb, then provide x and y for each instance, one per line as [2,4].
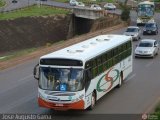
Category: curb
[152,107]
[54,47]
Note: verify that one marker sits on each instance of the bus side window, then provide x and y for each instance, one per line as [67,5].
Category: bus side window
[104,60]
[99,65]
[88,74]
[87,78]
[94,68]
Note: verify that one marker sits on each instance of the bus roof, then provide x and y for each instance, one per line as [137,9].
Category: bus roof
[146,2]
[90,48]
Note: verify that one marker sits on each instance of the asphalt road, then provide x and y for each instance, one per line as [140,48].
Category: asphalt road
[18,89]
[25,3]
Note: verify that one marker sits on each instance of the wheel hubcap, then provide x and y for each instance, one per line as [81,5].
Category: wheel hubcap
[93,100]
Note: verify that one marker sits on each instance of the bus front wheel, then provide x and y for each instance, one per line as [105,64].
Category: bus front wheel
[120,81]
[93,101]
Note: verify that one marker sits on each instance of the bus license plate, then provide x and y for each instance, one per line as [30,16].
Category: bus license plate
[59,105]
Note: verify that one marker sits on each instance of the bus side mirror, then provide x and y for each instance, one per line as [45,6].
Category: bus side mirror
[36,72]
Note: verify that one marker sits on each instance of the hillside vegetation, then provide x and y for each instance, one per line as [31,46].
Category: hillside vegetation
[2,3]
[33,11]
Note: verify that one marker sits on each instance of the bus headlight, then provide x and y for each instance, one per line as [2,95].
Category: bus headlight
[41,96]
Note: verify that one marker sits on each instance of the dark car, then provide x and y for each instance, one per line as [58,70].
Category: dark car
[14,1]
[150,28]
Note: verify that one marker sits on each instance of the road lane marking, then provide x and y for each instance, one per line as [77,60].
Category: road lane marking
[132,76]
[149,64]
[25,77]
[18,83]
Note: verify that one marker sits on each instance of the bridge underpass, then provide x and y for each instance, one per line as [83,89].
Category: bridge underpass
[86,20]
[88,13]
[83,19]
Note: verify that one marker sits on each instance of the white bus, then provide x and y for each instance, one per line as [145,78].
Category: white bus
[77,76]
[145,12]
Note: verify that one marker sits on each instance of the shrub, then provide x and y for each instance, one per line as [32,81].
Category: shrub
[125,15]
[2,3]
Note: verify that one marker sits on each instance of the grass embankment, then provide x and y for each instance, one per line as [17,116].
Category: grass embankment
[15,54]
[26,12]
[33,11]
[157,113]
[2,3]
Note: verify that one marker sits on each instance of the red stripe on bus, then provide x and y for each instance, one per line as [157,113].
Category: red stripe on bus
[60,106]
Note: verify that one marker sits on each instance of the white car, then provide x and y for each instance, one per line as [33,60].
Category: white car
[73,2]
[80,4]
[134,32]
[147,48]
[109,6]
[96,7]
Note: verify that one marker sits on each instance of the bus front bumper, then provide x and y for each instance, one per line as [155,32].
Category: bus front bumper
[143,21]
[61,106]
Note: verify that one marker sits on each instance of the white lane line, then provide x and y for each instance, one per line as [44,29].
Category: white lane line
[25,77]
[149,64]
[19,82]
[132,76]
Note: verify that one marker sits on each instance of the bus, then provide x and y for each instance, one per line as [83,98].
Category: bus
[145,12]
[77,76]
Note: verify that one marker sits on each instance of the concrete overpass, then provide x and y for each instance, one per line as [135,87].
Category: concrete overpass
[88,13]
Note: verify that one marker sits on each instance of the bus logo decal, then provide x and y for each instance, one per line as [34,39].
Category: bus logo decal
[108,79]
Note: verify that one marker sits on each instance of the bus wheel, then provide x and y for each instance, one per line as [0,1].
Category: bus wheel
[93,101]
[120,81]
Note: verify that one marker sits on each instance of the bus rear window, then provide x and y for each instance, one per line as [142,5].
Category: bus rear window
[61,62]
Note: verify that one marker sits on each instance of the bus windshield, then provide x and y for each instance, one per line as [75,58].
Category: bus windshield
[146,10]
[61,79]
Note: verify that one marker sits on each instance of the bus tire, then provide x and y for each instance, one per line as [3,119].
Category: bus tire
[93,101]
[121,80]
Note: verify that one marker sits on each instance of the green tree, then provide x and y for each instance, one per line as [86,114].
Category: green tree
[125,15]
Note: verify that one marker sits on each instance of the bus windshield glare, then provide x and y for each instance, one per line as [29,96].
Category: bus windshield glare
[61,79]
[146,11]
